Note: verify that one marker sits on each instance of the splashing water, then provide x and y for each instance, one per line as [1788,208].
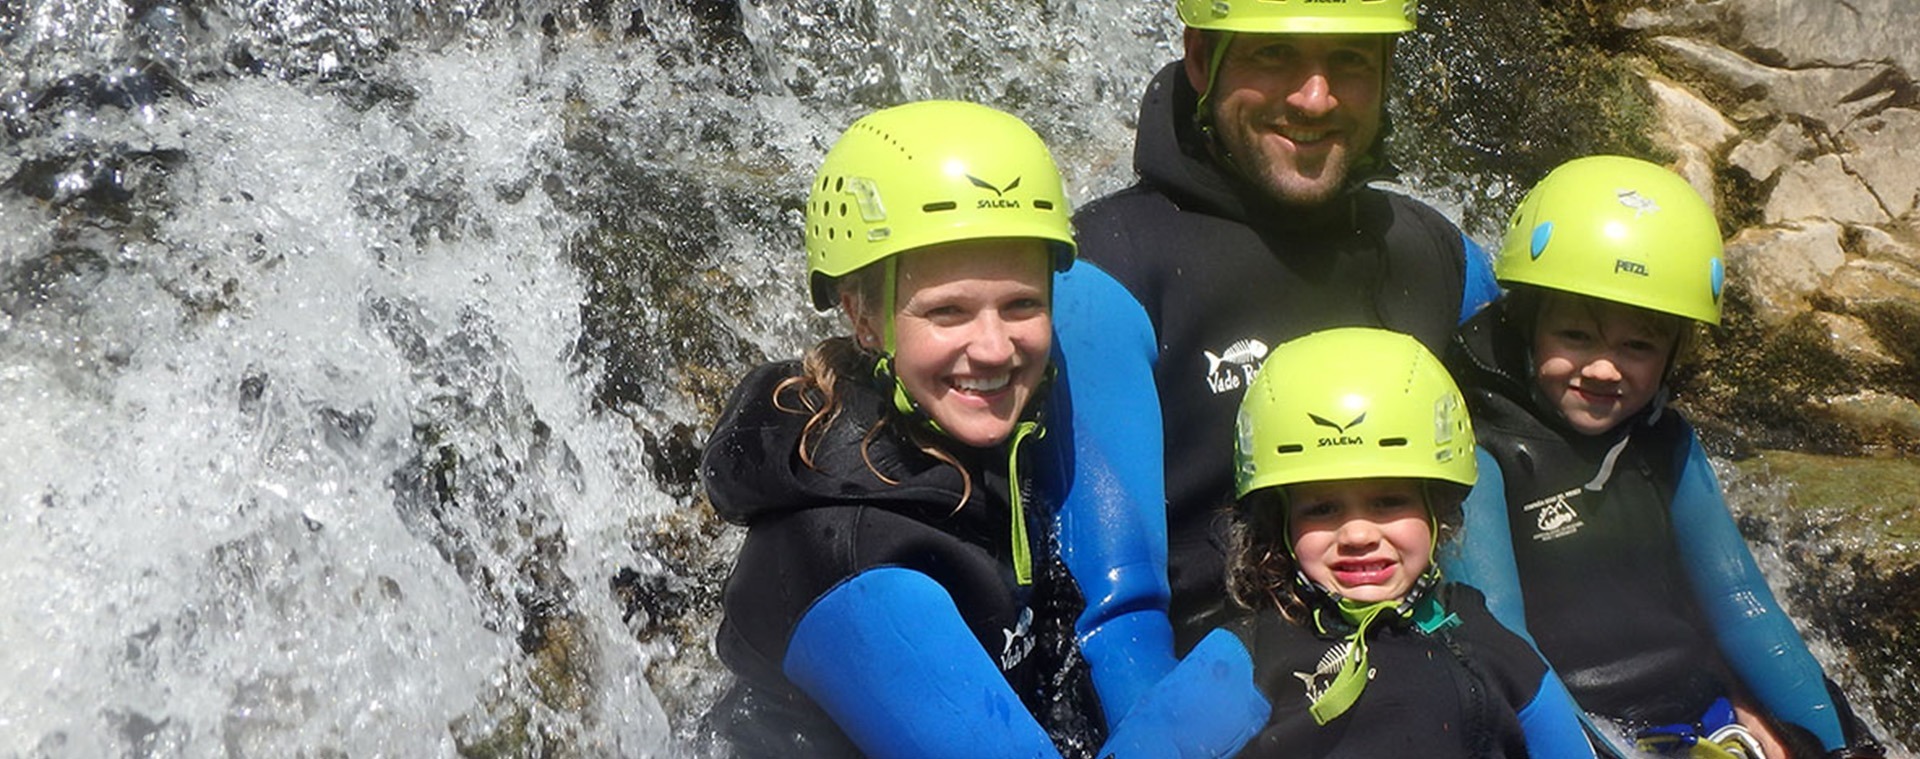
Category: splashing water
[356,351]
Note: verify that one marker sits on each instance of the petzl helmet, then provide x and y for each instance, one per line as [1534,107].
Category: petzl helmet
[1301,16]
[1619,229]
[1351,403]
[927,173]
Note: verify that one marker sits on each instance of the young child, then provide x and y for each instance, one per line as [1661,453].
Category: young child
[1597,524]
[1353,453]
[899,592]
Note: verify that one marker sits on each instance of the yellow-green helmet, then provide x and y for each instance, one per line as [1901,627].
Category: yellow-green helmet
[926,173]
[1351,403]
[1619,229]
[1301,16]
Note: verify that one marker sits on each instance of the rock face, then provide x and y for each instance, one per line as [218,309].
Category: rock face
[1820,187]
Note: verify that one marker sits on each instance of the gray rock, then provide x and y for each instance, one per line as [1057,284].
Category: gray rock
[1781,267]
[1830,32]
[1886,156]
[1762,159]
[1833,96]
[1822,189]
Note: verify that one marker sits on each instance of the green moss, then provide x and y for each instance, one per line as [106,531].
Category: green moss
[1879,496]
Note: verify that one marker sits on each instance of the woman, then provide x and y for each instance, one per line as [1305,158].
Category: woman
[899,593]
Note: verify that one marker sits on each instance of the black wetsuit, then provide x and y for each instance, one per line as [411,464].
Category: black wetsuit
[1636,583]
[1185,281]
[813,530]
[1471,690]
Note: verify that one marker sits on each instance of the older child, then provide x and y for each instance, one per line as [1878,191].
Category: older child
[898,593]
[1353,452]
[1597,523]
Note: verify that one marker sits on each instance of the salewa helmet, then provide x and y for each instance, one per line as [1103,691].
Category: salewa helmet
[1351,403]
[1301,16]
[1618,229]
[927,173]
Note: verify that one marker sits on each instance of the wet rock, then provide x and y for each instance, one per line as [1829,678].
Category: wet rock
[1862,284]
[1823,189]
[1853,340]
[1885,156]
[1879,417]
[1780,268]
[1847,527]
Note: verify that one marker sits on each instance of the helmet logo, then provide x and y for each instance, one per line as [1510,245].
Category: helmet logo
[1641,204]
[1541,233]
[1629,267]
[999,193]
[1339,437]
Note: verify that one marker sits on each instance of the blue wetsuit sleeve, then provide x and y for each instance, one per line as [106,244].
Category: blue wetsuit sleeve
[1207,706]
[1112,504]
[1552,722]
[888,657]
[1755,636]
[1479,288]
[1483,555]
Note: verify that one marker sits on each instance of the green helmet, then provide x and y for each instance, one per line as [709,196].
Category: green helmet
[1351,403]
[927,173]
[1618,229]
[1301,16]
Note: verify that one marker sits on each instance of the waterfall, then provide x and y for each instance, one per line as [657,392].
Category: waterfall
[356,352]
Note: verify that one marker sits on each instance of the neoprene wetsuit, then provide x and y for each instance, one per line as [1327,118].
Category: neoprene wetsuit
[1617,554]
[869,618]
[1473,689]
[1185,281]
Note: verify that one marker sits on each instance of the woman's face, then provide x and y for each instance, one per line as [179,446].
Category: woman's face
[1599,362]
[972,332]
[1366,540]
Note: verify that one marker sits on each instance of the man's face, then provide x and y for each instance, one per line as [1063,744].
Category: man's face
[1294,112]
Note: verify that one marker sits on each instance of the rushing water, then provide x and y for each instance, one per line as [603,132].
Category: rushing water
[355,350]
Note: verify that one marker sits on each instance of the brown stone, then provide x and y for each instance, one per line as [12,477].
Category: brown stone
[1780,267]
[1852,340]
[1862,283]
[1875,415]
[1761,159]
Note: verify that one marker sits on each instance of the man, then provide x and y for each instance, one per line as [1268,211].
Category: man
[1252,223]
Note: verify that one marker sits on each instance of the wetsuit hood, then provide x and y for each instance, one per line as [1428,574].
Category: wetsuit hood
[1172,153]
[752,470]
[1491,355]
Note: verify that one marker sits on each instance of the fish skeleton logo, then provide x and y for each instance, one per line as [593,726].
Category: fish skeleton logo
[1326,670]
[1234,367]
[1641,204]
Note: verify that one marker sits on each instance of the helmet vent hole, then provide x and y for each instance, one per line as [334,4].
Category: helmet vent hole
[1393,442]
[1290,448]
[1043,205]
[944,205]
[839,184]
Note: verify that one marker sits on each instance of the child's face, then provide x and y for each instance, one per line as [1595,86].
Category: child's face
[1366,540]
[1599,362]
